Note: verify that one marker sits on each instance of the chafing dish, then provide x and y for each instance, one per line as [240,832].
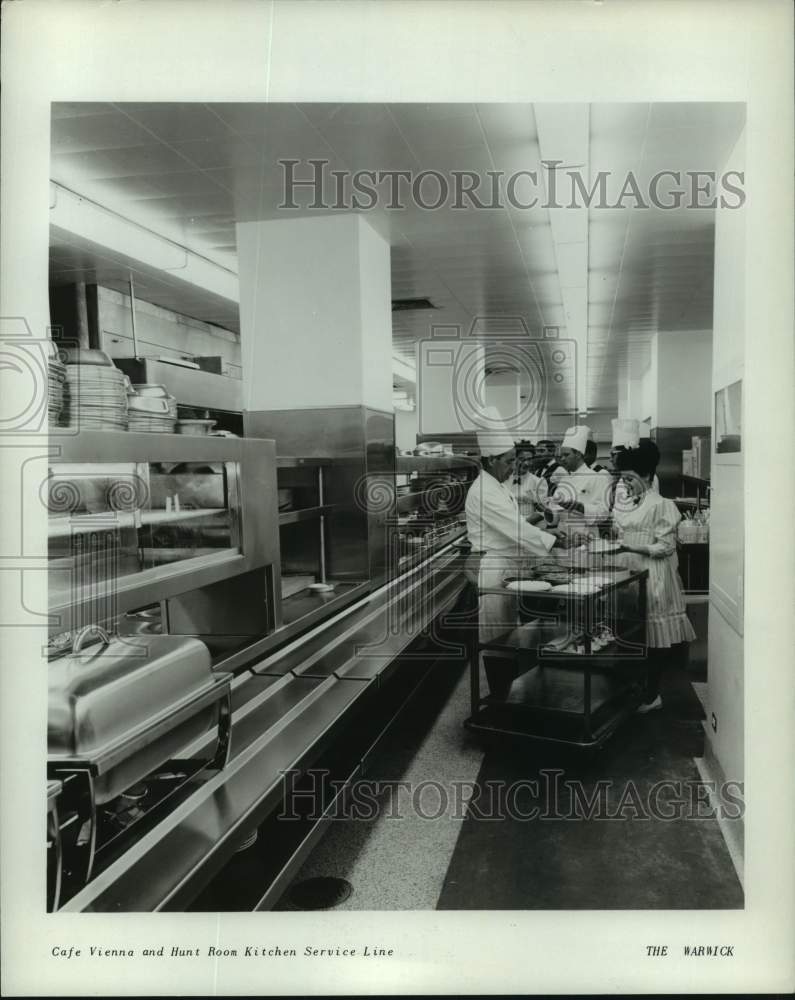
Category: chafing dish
[119,710]
[124,706]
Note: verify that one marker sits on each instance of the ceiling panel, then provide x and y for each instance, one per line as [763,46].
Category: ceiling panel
[193,170]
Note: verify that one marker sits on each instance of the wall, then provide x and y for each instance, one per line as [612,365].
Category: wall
[684,378]
[160,331]
[725,688]
[406,423]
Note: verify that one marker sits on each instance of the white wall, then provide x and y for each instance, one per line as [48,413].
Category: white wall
[725,688]
[502,392]
[406,424]
[446,371]
[375,300]
[684,378]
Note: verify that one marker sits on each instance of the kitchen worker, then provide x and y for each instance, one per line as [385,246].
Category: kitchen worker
[646,528]
[525,483]
[504,542]
[583,494]
[549,470]
[627,434]
[590,457]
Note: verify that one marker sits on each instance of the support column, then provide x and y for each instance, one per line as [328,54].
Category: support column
[315,314]
[316,339]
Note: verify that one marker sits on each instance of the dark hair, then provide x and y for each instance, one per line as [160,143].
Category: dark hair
[525,446]
[590,452]
[643,459]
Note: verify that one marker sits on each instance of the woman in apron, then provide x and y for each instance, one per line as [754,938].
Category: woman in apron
[646,524]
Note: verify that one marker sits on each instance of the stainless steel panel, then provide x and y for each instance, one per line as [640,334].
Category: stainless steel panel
[303,850]
[235,609]
[190,387]
[321,432]
[168,867]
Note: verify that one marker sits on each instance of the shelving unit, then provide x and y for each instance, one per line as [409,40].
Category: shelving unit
[310,552]
[436,524]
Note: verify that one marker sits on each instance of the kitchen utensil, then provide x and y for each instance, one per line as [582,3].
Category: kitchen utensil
[85,356]
[148,404]
[158,392]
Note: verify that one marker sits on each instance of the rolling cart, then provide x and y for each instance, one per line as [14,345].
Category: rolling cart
[576,693]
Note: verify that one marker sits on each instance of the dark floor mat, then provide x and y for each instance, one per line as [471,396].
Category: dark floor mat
[595,863]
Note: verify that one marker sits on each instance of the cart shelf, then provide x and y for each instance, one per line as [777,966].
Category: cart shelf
[563,697]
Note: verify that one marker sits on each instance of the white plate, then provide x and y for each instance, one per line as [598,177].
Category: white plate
[529,586]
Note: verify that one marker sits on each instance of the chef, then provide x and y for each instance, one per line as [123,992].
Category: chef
[582,493]
[525,483]
[504,542]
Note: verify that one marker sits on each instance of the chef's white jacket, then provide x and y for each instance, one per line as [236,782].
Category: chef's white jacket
[495,523]
[527,487]
[589,488]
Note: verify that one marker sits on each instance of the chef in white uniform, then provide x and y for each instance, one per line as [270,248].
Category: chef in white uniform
[504,542]
[582,493]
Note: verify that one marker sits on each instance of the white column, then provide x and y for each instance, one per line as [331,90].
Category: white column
[315,313]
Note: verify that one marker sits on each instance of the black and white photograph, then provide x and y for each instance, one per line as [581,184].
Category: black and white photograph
[381,470]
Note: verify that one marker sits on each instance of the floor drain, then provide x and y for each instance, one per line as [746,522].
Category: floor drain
[320,893]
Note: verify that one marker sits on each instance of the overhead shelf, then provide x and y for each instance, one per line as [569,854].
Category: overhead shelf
[81,524]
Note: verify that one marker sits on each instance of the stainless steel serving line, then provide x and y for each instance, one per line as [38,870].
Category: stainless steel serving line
[288,710]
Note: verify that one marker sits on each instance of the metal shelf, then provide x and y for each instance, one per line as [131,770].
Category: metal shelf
[79,524]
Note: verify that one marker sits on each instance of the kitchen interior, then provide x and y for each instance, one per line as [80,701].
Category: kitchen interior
[257,543]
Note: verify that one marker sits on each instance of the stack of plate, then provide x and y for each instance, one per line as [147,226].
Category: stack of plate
[95,398]
[56,375]
[150,414]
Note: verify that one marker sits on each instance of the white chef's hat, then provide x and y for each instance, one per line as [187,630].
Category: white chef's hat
[494,438]
[626,433]
[644,430]
[576,438]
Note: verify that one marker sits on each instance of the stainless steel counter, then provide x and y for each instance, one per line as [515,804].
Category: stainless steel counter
[288,709]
